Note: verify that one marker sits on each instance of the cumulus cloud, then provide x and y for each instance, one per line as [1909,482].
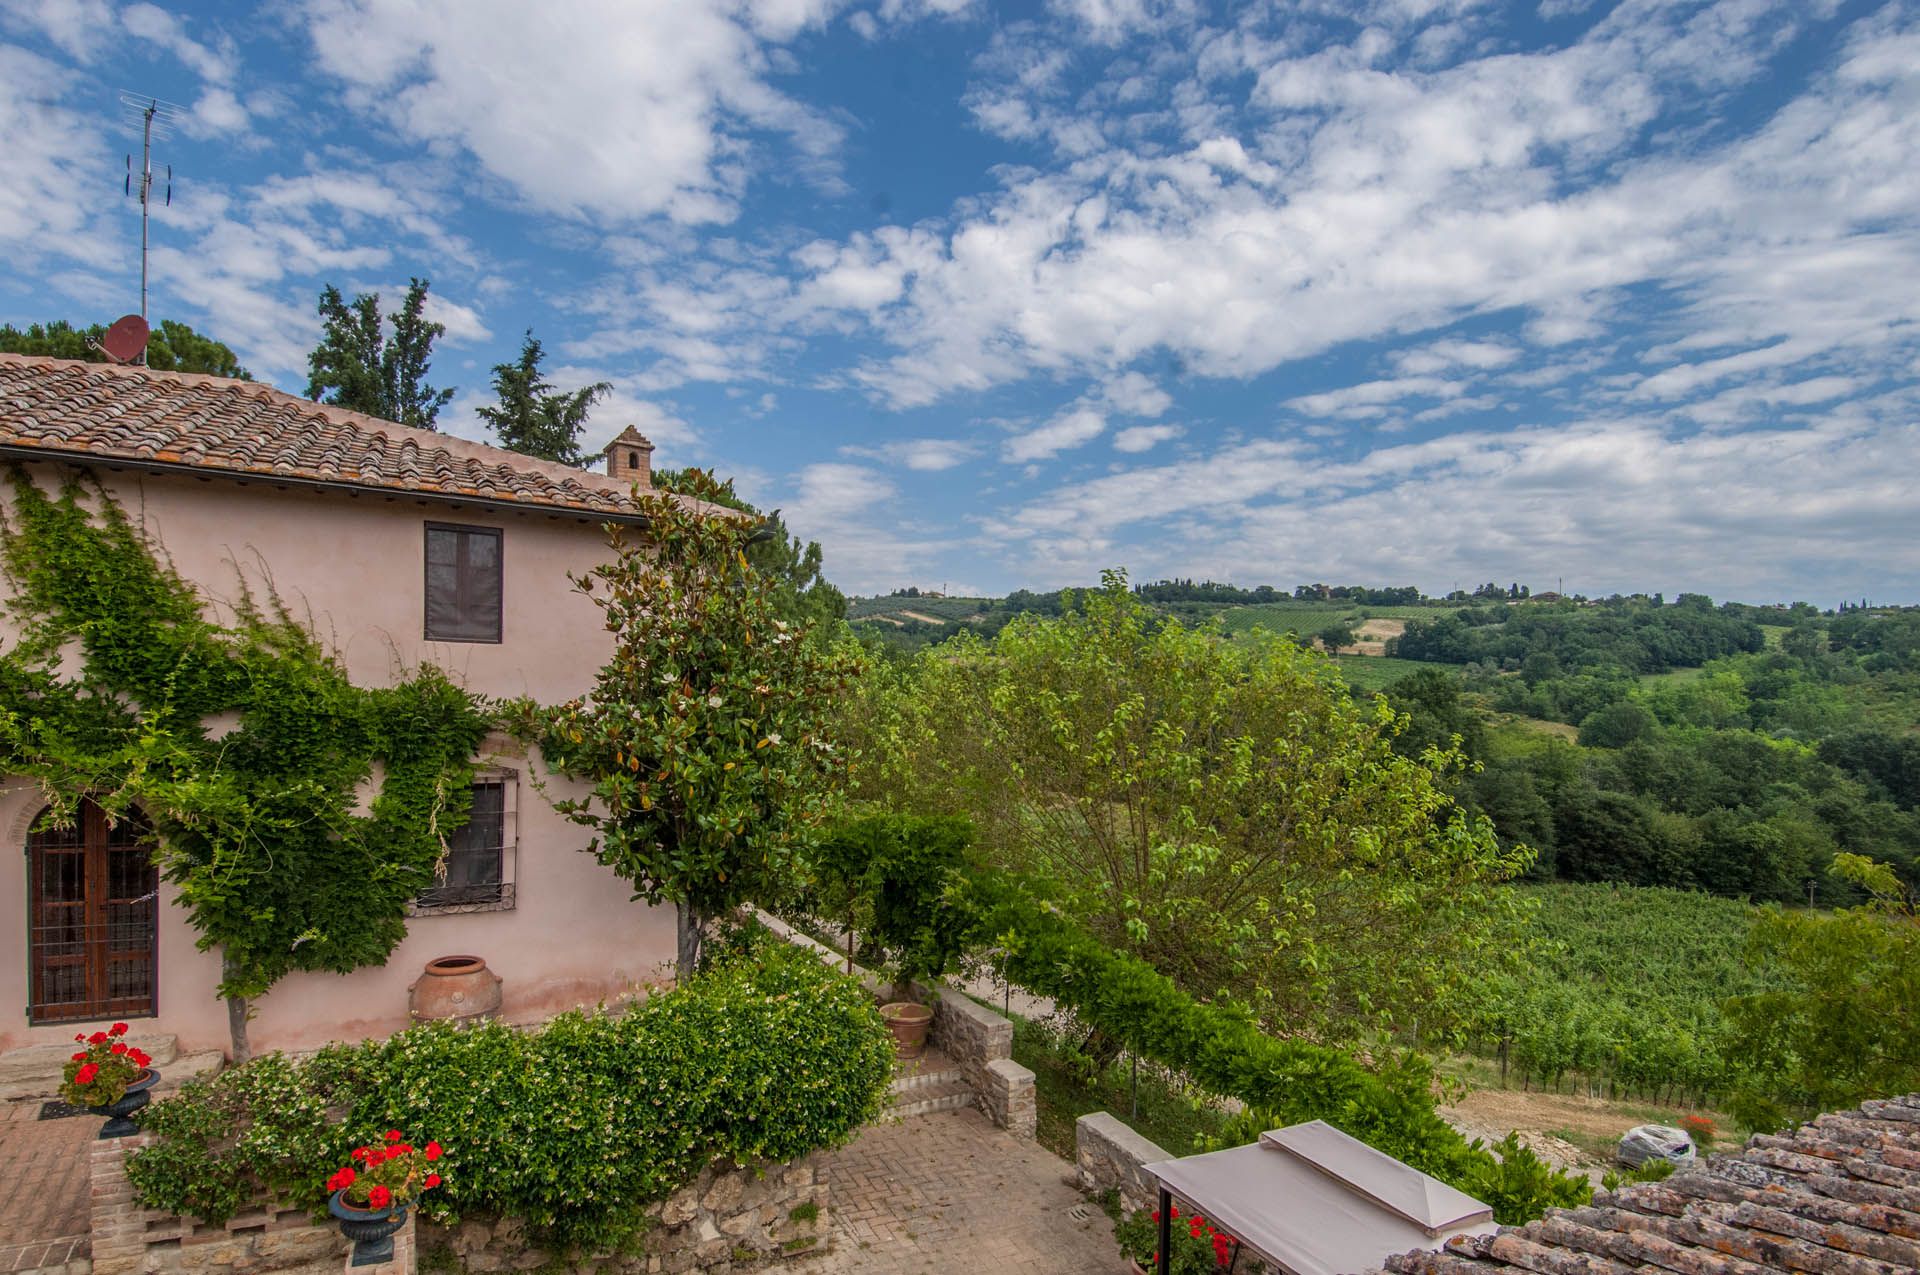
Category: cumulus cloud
[1144,438]
[600,107]
[1074,427]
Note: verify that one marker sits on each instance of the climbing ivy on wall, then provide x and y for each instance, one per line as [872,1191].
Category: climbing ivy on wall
[296,813]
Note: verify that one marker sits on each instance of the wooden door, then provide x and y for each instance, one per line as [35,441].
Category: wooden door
[94,899]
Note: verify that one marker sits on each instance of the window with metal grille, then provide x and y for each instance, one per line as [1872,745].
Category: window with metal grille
[93,918]
[464,590]
[476,870]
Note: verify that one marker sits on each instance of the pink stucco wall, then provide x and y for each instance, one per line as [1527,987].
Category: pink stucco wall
[353,566]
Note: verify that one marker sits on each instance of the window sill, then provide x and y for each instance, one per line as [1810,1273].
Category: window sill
[505,903]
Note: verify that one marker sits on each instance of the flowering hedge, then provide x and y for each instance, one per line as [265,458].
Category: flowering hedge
[574,1127]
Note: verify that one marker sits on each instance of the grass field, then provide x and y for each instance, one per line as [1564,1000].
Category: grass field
[1368,673]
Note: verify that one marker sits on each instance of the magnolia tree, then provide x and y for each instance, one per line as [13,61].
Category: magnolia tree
[705,737]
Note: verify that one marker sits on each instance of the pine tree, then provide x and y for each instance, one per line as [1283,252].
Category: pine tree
[361,366]
[532,417]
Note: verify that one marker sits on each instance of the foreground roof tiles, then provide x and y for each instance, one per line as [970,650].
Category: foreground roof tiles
[101,412]
[1838,1196]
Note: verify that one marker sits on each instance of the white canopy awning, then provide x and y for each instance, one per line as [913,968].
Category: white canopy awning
[1313,1201]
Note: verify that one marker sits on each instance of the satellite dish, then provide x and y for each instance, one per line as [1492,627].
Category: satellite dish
[125,341]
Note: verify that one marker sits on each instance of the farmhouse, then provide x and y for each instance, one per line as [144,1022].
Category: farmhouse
[397,548]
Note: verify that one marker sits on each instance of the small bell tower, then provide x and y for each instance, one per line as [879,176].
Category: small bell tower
[630,458]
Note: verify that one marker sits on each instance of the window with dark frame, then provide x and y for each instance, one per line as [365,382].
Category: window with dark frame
[476,854]
[463,583]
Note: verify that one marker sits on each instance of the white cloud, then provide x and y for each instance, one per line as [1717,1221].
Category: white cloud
[925,455]
[597,107]
[1608,503]
[1370,398]
[1142,438]
[1347,202]
[1135,394]
[79,28]
[463,322]
[1074,427]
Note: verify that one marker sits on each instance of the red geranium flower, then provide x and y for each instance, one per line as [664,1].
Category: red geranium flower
[341,1180]
[118,1029]
[433,1150]
[80,1057]
[98,1038]
[119,1046]
[361,1153]
[379,1197]
[433,1180]
[393,1135]
[86,1074]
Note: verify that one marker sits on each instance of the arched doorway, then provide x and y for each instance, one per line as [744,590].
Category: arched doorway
[94,900]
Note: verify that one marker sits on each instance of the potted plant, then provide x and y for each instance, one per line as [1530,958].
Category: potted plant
[1195,1246]
[371,1195]
[110,1078]
[919,911]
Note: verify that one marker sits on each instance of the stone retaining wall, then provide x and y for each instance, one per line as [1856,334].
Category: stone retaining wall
[1108,1156]
[129,1239]
[725,1220]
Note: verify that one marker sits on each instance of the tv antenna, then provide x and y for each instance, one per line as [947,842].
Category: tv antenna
[156,119]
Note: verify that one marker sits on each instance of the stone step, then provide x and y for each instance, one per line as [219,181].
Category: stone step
[186,1067]
[924,1100]
[34,1071]
[919,1080]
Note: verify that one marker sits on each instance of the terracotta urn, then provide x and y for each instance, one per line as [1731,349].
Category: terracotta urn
[908,1022]
[456,987]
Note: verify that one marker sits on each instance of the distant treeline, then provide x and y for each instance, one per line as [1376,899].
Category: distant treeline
[1632,635]
[1227,594]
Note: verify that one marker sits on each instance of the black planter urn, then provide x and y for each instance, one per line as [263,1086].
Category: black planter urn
[371,1230]
[118,1113]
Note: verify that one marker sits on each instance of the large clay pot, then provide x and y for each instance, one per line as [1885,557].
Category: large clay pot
[456,987]
[371,1230]
[118,1113]
[908,1022]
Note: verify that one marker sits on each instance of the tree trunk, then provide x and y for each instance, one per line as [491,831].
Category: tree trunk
[688,926]
[238,1012]
[241,1048]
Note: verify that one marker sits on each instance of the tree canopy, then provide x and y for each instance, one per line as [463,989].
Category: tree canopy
[531,416]
[707,737]
[367,364]
[1229,815]
[803,593]
[172,347]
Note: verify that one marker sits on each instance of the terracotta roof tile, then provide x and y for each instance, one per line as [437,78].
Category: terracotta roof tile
[95,411]
[1838,1196]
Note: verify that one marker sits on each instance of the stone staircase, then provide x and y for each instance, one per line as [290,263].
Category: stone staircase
[929,1083]
[34,1071]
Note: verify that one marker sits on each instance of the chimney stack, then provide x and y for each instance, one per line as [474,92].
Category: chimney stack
[630,458]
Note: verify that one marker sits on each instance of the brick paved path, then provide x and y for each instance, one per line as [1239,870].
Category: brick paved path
[949,1194]
[43,1211]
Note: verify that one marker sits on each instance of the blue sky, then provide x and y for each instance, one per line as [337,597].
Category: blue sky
[996,295]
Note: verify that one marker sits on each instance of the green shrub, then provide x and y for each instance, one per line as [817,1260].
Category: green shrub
[574,1127]
[1223,1050]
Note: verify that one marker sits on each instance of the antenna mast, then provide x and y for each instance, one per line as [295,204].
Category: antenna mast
[156,120]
